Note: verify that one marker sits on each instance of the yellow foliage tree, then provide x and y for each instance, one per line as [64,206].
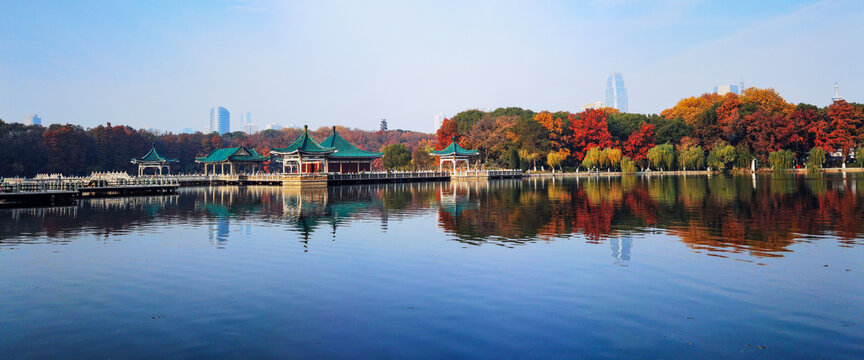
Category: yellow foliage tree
[689,108]
[767,99]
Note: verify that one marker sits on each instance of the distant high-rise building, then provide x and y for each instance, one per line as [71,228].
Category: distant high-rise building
[594,105]
[274,126]
[220,120]
[248,126]
[439,119]
[188,131]
[616,93]
[33,120]
[725,89]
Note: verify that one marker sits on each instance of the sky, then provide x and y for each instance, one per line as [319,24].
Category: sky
[164,64]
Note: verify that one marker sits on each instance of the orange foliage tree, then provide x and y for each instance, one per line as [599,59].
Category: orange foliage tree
[689,108]
[767,99]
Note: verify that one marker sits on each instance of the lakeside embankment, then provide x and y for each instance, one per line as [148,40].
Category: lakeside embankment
[680,172]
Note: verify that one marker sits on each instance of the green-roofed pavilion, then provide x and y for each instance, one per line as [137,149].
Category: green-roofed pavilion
[234,158]
[153,160]
[304,155]
[454,154]
[347,158]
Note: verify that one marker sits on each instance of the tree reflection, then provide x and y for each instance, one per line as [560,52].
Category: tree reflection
[716,214]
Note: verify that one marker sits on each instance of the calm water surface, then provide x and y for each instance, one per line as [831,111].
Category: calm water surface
[659,267]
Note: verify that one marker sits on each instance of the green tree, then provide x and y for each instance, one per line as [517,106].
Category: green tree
[513,161]
[721,156]
[662,156]
[692,157]
[669,131]
[859,157]
[627,165]
[780,160]
[816,159]
[743,156]
[396,157]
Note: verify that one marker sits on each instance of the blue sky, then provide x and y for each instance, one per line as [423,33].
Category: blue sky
[164,64]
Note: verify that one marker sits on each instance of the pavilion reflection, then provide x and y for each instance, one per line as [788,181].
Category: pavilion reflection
[719,215]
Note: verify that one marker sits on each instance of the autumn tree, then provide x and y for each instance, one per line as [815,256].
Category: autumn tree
[420,158]
[768,132]
[846,122]
[689,108]
[766,99]
[639,142]
[445,134]
[589,130]
[554,159]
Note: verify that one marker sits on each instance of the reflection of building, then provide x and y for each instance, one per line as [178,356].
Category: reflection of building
[220,120]
[218,231]
[621,246]
[616,93]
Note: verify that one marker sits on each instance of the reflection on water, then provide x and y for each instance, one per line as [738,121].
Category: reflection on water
[601,267]
[717,215]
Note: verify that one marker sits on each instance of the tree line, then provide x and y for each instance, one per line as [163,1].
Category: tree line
[718,131]
[72,150]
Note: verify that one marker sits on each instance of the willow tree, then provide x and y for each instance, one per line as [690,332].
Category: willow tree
[661,156]
[816,159]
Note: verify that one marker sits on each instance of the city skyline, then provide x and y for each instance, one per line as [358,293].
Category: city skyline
[80,69]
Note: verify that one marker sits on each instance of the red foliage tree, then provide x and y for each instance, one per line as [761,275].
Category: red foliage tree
[638,144]
[445,134]
[845,122]
[768,132]
[589,130]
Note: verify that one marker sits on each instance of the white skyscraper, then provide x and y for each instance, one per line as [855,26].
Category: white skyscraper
[439,119]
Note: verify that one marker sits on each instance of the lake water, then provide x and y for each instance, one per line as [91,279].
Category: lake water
[640,267]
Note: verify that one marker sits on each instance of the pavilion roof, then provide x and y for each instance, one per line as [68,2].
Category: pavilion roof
[454,149]
[345,149]
[152,156]
[304,144]
[235,154]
